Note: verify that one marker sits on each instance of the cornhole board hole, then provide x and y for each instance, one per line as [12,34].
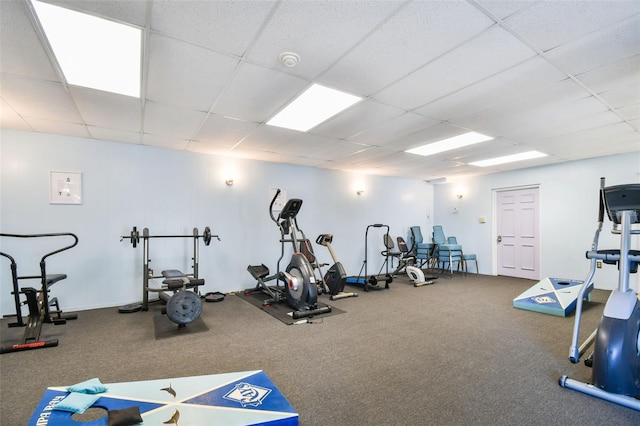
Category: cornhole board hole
[554,296]
[242,398]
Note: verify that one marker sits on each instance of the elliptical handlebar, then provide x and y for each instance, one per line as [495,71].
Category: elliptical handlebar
[273,201]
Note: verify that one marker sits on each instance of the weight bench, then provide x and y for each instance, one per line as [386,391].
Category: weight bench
[183,306]
[175,280]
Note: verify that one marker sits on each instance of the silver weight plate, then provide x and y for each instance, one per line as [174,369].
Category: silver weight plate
[184,307]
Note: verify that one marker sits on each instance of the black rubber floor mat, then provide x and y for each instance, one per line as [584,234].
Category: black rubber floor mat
[281,310]
[165,328]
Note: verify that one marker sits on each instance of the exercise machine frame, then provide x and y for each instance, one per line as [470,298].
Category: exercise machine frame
[335,278]
[181,308]
[37,301]
[371,282]
[300,289]
[615,360]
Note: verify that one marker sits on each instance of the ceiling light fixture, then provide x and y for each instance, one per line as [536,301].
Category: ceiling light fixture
[508,159]
[93,52]
[312,107]
[455,142]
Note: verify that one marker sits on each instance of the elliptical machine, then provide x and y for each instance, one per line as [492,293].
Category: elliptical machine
[300,289]
[615,361]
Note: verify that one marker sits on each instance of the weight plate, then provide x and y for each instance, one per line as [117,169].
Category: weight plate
[206,237]
[184,307]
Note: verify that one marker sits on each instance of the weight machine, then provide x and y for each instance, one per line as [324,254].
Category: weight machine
[615,361]
[182,306]
[38,302]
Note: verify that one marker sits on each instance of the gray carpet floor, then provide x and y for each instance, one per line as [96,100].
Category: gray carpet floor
[453,353]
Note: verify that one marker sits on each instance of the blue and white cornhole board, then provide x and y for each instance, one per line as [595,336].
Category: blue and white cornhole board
[555,296]
[243,398]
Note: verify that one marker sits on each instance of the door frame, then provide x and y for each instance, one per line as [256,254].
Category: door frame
[494,222]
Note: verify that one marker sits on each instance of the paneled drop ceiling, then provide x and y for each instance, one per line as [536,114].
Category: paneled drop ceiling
[560,77]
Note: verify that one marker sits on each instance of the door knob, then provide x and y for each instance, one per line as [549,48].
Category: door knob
[499,239]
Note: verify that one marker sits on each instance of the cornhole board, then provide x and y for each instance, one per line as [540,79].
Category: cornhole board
[242,398]
[554,296]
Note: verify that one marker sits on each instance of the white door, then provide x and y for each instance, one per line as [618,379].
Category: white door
[518,239]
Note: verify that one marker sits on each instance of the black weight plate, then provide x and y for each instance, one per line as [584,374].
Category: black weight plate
[184,307]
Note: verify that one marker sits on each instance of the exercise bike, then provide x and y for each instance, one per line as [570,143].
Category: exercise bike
[615,360]
[42,309]
[335,278]
[407,263]
[299,289]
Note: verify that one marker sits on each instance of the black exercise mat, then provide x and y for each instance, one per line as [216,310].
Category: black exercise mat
[165,328]
[281,310]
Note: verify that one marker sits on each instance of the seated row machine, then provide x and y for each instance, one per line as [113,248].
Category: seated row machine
[42,309]
[179,290]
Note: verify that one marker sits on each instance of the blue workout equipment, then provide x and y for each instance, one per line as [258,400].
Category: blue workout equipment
[615,360]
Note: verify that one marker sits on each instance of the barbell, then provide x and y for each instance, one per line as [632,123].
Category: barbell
[134,236]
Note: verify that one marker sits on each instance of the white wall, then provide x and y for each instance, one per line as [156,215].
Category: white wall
[568,214]
[171,192]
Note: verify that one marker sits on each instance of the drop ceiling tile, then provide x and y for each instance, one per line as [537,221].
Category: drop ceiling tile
[388,133]
[38,99]
[512,83]
[533,111]
[265,138]
[221,131]
[331,149]
[621,96]
[599,48]
[435,28]
[186,75]
[225,26]
[108,110]
[625,72]
[22,51]
[503,9]
[630,112]
[320,32]
[172,122]
[164,142]
[313,146]
[57,127]
[256,93]
[427,135]
[9,119]
[549,24]
[357,119]
[132,12]
[115,135]
[493,51]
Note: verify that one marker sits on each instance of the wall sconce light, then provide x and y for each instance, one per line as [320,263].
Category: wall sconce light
[229,182]
[360,192]
[458,196]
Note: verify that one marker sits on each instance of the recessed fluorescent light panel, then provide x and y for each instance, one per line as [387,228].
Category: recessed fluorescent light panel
[93,52]
[509,159]
[315,105]
[455,142]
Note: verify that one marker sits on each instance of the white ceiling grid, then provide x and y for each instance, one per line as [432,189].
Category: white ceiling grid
[561,77]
